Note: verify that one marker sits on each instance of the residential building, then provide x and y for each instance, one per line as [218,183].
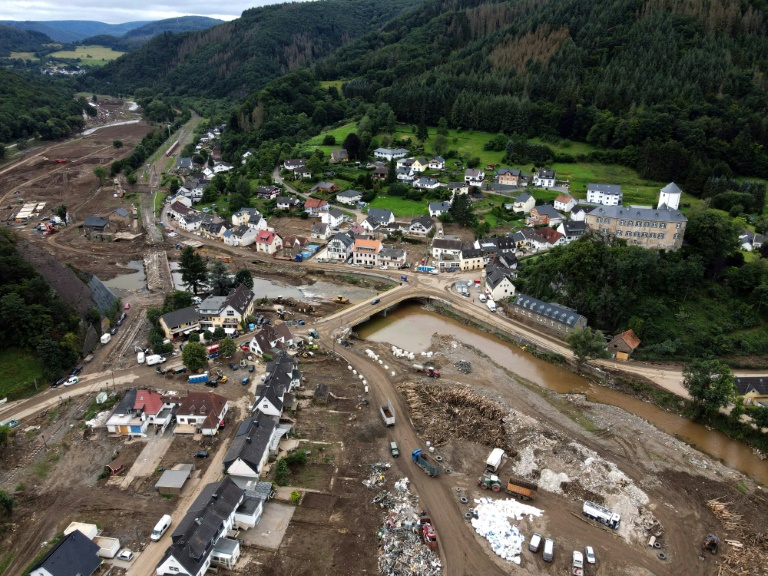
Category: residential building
[183,200]
[380,173]
[507,176]
[123,421]
[669,196]
[426,183]
[366,252]
[553,318]
[268,241]
[457,188]
[314,206]
[267,192]
[474,177]
[471,258]
[338,156]
[622,345]
[579,212]
[226,311]
[390,153]
[270,338]
[564,203]
[241,236]
[73,555]
[421,226]
[334,217]
[605,194]
[121,217]
[544,215]
[660,228]
[544,179]
[95,224]
[572,230]
[528,239]
[754,390]
[437,163]
[184,164]
[349,197]
[381,215]
[498,283]
[201,412]
[154,409]
[294,164]
[420,165]
[250,449]
[244,216]
[442,247]
[179,322]
[393,257]
[405,163]
[552,236]
[438,208]
[324,187]
[320,230]
[370,224]
[287,202]
[190,222]
[524,203]
[340,247]
[405,175]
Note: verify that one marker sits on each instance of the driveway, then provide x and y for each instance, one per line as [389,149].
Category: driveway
[269,532]
[149,459]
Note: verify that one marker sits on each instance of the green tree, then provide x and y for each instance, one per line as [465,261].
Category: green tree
[5,433]
[117,144]
[712,235]
[710,384]
[61,212]
[193,269]
[218,278]
[194,356]
[352,145]
[461,211]
[6,503]
[586,344]
[194,337]
[101,173]
[177,300]
[760,416]
[244,276]
[281,472]
[153,315]
[227,347]
[315,165]
[421,131]
[218,334]
[295,496]
[442,127]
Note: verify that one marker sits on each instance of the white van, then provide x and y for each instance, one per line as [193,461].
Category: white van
[481,297]
[161,527]
[491,305]
[140,357]
[533,546]
[549,550]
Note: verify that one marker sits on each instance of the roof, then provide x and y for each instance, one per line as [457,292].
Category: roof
[380,214]
[628,337]
[287,200]
[547,174]
[747,384]
[122,212]
[556,312]
[349,194]
[336,213]
[390,253]
[671,188]
[239,298]
[425,221]
[202,403]
[564,198]
[606,189]
[125,406]
[323,186]
[524,197]
[95,222]
[319,228]
[368,244]
[265,236]
[73,555]
[173,479]
[148,401]
[547,210]
[513,171]
[467,253]
[496,277]
[572,227]
[251,441]
[439,206]
[472,173]
[456,185]
[314,203]
[653,214]
[549,234]
[178,317]
[446,244]
[344,238]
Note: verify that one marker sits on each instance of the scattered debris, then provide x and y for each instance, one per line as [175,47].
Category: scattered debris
[491,522]
[746,554]
[376,478]
[463,366]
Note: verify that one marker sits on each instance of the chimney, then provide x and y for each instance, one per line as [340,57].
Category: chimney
[214,496]
[198,521]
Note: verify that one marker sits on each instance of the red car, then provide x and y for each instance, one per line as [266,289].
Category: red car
[244,347]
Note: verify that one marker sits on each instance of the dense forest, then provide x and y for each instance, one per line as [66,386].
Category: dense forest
[15,40]
[231,60]
[135,38]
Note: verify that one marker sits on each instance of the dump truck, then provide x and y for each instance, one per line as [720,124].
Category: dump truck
[198,378]
[428,533]
[428,370]
[516,487]
[388,413]
[426,462]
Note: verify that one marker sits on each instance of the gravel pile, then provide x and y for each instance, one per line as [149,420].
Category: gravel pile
[463,367]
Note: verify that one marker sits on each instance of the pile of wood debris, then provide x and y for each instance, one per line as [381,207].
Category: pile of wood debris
[744,553]
[442,413]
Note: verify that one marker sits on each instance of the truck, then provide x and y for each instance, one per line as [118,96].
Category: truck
[491,305]
[388,413]
[153,359]
[426,269]
[426,462]
[493,462]
[578,564]
[428,533]
[515,487]
[428,370]
[601,514]
[404,278]
[198,378]
[298,258]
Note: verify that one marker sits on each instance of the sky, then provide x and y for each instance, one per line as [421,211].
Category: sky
[119,11]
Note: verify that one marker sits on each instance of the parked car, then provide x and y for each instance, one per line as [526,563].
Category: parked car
[394,449]
[125,555]
[10,423]
[113,331]
[535,542]
[76,370]
[589,552]
[244,347]
[233,366]
[72,380]
[59,382]
[245,381]
[121,319]
[375,301]
[251,367]
[222,379]
[201,454]
[212,383]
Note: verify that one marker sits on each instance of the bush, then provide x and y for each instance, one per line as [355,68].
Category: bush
[281,472]
[295,496]
[297,458]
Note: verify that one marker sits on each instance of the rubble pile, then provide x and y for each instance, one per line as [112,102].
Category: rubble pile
[491,521]
[376,477]
[743,553]
[443,413]
[463,366]
[401,551]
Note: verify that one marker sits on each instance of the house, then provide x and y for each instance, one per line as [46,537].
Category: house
[190,222]
[314,206]
[366,252]
[123,421]
[380,173]
[437,163]
[421,226]
[294,164]
[442,247]
[179,322]
[507,176]
[241,236]
[268,241]
[250,449]
[552,236]
[358,229]
[73,555]
[669,196]
[393,257]
[655,228]
[426,183]
[172,481]
[95,224]
[457,188]
[201,412]
[544,179]
[524,203]
[324,187]
[553,318]
[381,215]
[622,345]
[244,215]
[529,239]
[579,212]
[390,153]
[564,203]
[420,165]
[544,215]
[605,194]
[267,192]
[349,197]
[320,230]
[498,283]
[405,175]
[340,247]
[153,408]
[179,209]
[199,540]
[405,163]
[270,338]
[184,164]
[438,208]
[572,230]
[334,217]
[474,177]
[221,167]
[370,224]
[471,258]
[226,311]
[287,202]
[185,201]
[122,218]
[754,390]
[338,156]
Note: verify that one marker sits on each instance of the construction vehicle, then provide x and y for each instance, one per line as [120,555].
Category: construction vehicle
[515,486]
[429,371]
[601,514]
[341,300]
[426,462]
[711,543]
[489,481]
[578,564]
[493,463]
[428,533]
[388,413]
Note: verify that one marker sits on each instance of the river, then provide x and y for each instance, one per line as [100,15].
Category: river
[411,327]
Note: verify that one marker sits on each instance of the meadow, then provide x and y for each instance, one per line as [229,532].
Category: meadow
[88,55]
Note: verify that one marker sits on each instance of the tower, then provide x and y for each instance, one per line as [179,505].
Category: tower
[670,196]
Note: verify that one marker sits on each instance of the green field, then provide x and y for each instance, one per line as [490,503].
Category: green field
[339,133]
[636,190]
[567,146]
[18,369]
[89,55]
[401,207]
[23,55]
[328,83]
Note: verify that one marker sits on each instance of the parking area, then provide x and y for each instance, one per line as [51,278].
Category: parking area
[269,532]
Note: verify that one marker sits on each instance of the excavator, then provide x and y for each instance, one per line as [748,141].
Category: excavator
[711,543]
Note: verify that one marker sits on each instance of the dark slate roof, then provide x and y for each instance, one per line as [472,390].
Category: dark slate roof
[336,213]
[349,194]
[572,228]
[652,214]
[446,244]
[547,174]
[745,384]
[671,188]
[73,555]
[381,215]
[239,298]
[344,238]
[556,312]
[609,189]
[495,277]
[548,210]
[181,316]
[259,430]
[442,206]
[425,221]
[524,197]
[471,252]
[95,222]
[122,212]
[125,406]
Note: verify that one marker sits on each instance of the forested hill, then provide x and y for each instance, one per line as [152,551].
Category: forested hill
[15,40]
[232,59]
[674,87]
[134,38]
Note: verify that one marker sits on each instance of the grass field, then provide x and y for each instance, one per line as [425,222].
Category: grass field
[23,55]
[567,146]
[328,83]
[636,190]
[339,133]
[89,55]
[18,368]
[400,207]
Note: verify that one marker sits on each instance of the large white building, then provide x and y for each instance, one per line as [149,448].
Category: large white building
[605,194]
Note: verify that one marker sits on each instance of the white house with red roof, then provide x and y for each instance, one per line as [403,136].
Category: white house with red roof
[201,412]
[268,241]
[153,408]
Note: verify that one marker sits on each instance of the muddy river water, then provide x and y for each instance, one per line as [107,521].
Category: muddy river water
[410,327]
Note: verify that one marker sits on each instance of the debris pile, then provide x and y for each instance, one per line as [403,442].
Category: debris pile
[402,553]
[491,521]
[745,554]
[376,477]
[463,366]
[443,413]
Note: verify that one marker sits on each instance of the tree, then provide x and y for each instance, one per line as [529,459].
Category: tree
[101,173]
[227,347]
[295,496]
[315,165]
[117,144]
[61,212]
[194,356]
[421,131]
[329,140]
[352,145]
[194,337]
[6,503]
[218,278]
[4,434]
[442,127]
[461,210]
[244,276]
[586,344]
[218,334]
[712,235]
[710,384]
[193,269]
[153,315]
